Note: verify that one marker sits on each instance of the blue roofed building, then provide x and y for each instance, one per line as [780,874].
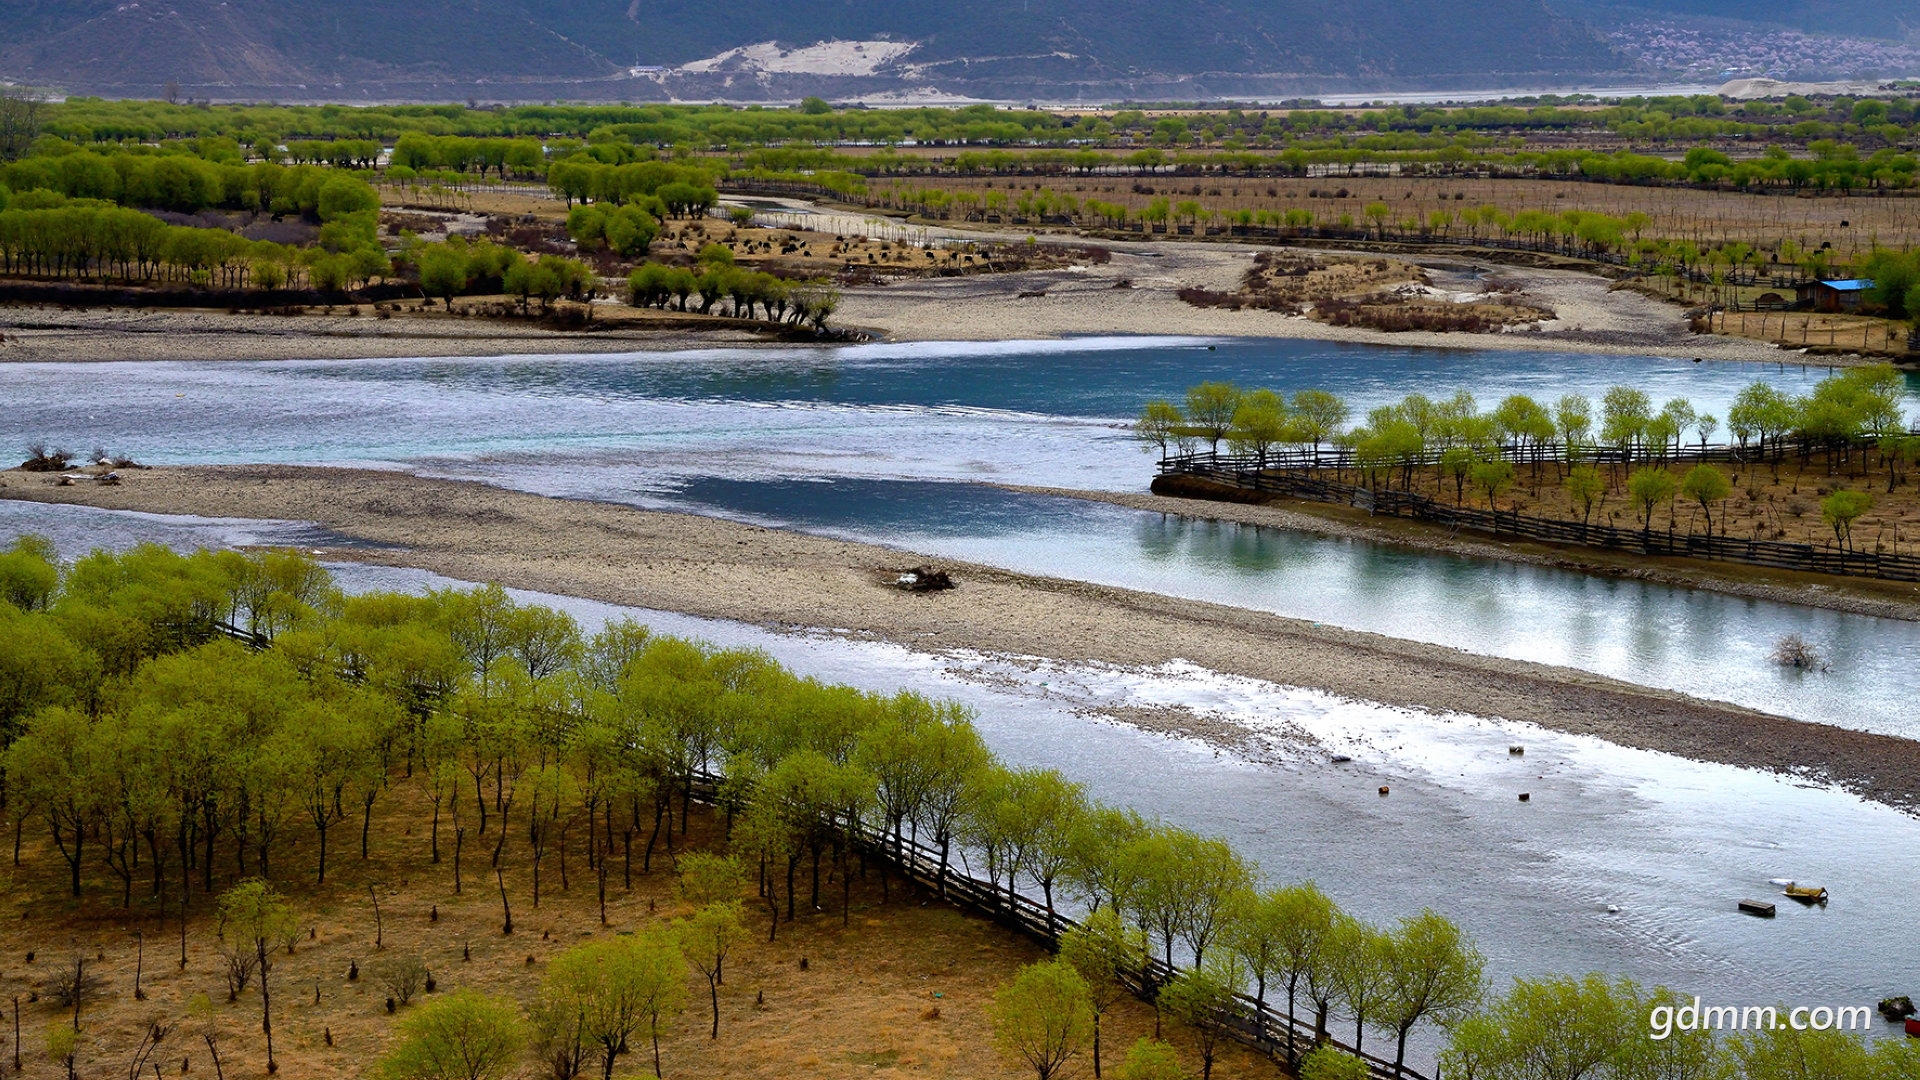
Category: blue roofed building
[1845,295]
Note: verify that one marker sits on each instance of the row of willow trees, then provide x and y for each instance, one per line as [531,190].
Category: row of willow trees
[1849,409]
[178,721]
[96,217]
[220,716]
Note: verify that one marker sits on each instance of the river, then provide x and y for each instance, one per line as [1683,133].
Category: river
[897,444]
[1624,861]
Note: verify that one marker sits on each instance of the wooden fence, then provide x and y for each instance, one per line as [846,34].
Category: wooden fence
[1260,1026]
[1337,456]
[1780,555]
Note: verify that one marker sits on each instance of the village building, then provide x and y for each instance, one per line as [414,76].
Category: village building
[1833,295]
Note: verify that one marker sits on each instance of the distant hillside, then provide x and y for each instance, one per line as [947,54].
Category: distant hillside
[1713,40]
[353,49]
[1885,19]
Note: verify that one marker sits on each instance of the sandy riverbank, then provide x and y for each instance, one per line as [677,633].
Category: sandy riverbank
[1592,316]
[1078,301]
[49,335]
[1857,596]
[719,569]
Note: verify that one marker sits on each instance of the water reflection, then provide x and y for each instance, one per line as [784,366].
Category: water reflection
[864,442]
[1702,643]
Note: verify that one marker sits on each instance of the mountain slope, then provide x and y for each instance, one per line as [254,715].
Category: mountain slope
[583,48]
[1893,20]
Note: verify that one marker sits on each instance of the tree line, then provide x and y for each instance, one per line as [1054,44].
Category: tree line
[717,126]
[43,234]
[1861,404]
[507,157]
[1636,239]
[714,278]
[186,183]
[1857,416]
[460,267]
[672,189]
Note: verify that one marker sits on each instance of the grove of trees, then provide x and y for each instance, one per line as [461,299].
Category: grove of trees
[1854,420]
[224,724]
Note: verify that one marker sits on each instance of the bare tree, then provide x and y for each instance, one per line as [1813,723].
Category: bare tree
[21,111]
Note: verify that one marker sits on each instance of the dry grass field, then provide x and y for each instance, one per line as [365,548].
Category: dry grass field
[1767,502]
[902,990]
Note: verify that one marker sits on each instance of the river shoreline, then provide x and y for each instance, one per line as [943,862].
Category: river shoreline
[1136,292]
[1853,596]
[721,569]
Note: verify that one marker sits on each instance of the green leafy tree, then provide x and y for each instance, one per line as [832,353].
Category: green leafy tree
[1706,485]
[56,768]
[1210,409]
[1458,462]
[1433,972]
[1203,998]
[1841,509]
[1624,415]
[29,573]
[255,912]
[1333,1063]
[1676,1054]
[707,878]
[611,989]
[1559,1028]
[1151,1059]
[1779,1052]
[443,273]
[463,1035]
[1159,427]
[1357,971]
[1044,1017]
[706,937]
[1318,416]
[1651,488]
[1493,476]
[1585,487]
[1259,422]
[1105,953]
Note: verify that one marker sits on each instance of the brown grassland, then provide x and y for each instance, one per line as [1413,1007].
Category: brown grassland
[902,990]
[1769,501]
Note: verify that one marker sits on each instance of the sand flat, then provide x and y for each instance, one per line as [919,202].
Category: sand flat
[1135,293]
[719,569]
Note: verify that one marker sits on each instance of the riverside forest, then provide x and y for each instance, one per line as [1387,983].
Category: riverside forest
[207,750]
[1152,589]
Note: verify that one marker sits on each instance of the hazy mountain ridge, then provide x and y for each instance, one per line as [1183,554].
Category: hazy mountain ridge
[642,49]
